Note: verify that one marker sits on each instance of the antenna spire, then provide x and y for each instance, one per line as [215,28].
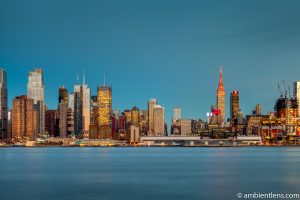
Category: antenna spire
[83,78]
[104,78]
[221,76]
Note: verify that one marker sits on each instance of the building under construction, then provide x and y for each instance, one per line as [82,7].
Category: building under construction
[286,111]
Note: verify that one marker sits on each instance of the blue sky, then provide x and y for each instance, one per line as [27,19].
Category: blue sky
[165,49]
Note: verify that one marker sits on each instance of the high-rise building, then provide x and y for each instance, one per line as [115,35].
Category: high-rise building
[297,94]
[78,110]
[158,120]
[105,111]
[221,98]
[63,104]
[151,104]
[105,105]
[3,105]
[23,119]
[135,113]
[35,91]
[63,119]
[86,107]
[51,118]
[234,104]
[177,113]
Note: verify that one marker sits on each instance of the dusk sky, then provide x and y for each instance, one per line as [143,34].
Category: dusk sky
[164,49]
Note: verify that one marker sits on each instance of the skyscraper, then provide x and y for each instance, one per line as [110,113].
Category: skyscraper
[221,98]
[151,104]
[86,107]
[35,91]
[158,120]
[177,113]
[135,113]
[105,105]
[297,94]
[23,119]
[3,105]
[77,110]
[63,102]
[234,104]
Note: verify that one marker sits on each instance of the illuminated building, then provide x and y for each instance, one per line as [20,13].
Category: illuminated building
[51,117]
[221,98]
[105,111]
[234,104]
[86,107]
[151,105]
[35,91]
[105,105]
[286,109]
[3,105]
[297,94]
[158,120]
[177,114]
[22,119]
[135,113]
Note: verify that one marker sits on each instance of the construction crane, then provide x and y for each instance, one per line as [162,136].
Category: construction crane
[290,95]
[280,91]
[285,90]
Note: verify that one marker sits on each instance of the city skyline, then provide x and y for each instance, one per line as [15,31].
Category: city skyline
[171,53]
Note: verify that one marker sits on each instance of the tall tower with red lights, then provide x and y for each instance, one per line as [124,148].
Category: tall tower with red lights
[221,98]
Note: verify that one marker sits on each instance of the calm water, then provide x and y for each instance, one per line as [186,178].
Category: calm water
[146,173]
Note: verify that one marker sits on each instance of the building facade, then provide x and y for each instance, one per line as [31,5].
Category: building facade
[176,114]
[3,106]
[86,108]
[35,91]
[297,94]
[135,116]
[158,120]
[234,104]
[51,119]
[105,105]
[221,99]
[151,104]
[23,119]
